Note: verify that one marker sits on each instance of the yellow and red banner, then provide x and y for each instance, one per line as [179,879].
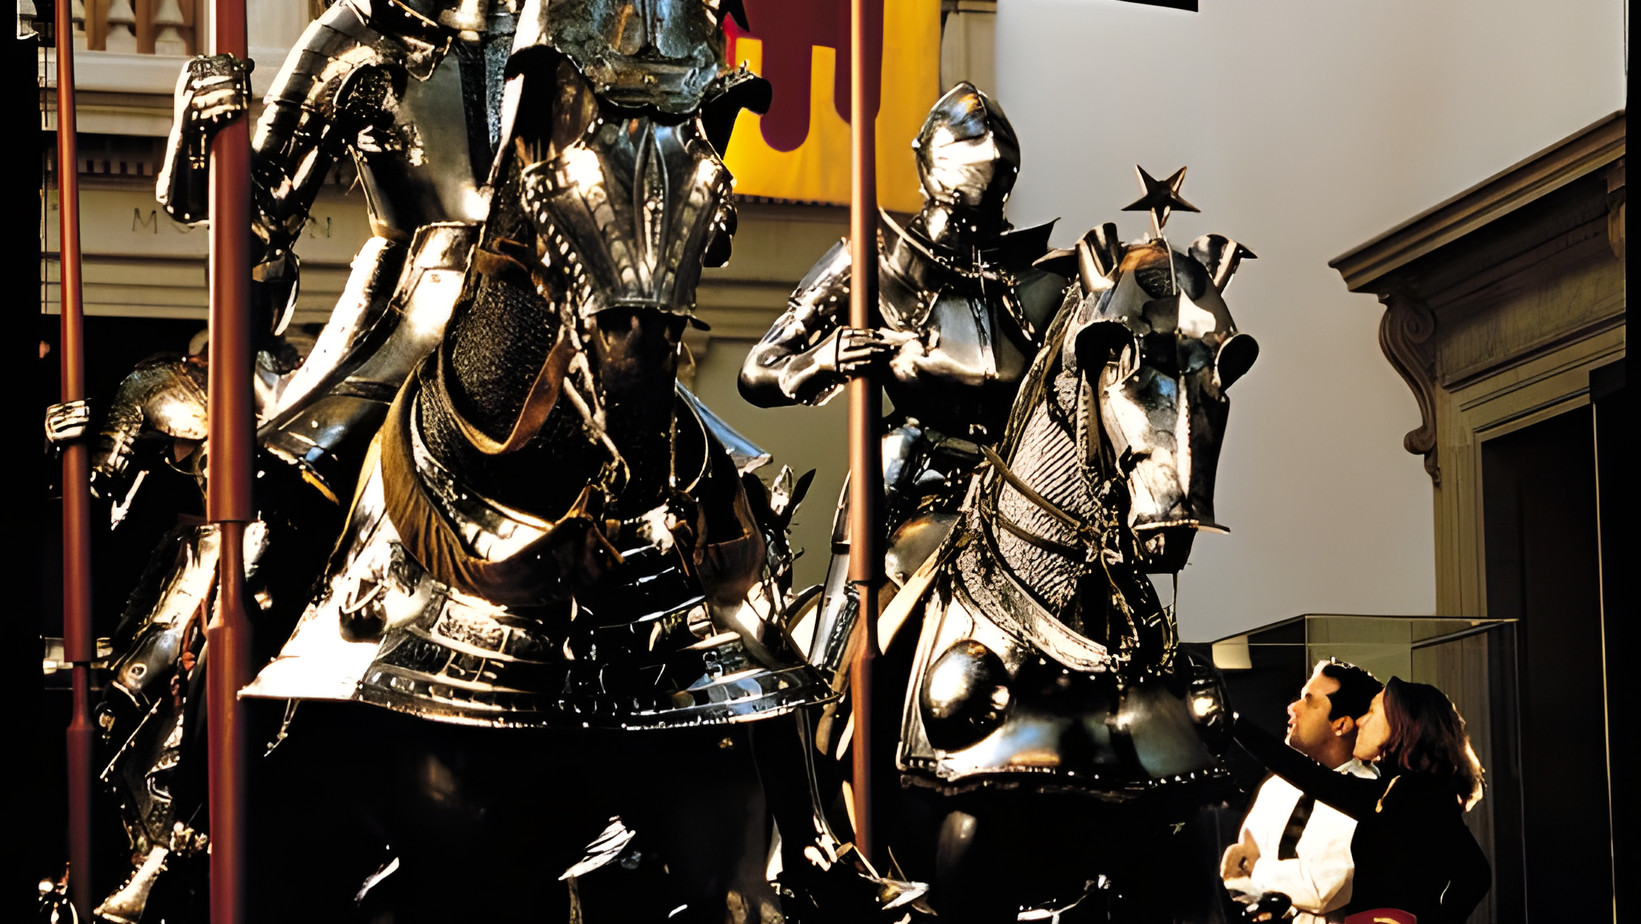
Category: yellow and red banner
[800,149]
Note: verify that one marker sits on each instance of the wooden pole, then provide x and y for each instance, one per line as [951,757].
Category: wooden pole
[79,640]
[230,442]
[865,410]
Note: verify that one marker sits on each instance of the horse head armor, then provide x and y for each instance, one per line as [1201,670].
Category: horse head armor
[1158,351]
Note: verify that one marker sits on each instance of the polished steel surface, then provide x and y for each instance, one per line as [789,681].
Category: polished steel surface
[412,95]
[359,320]
[142,717]
[337,398]
[958,331]
[961,303]
[629,208]
[748,455]
[1027,672]
[967,155]
[411,100]
[160,404]
[67,421]
[663,54]
[211,90]
[616,209]
[415,103]
[1174,351]
[1005,689]
[412,643]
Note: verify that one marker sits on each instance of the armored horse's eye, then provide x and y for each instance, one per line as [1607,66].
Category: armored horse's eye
[1102,342]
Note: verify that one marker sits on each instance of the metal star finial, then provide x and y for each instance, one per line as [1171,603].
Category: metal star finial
[1161,197]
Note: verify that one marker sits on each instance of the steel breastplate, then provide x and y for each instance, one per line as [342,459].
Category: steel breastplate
[960,312]
[1003,694]
[628,209]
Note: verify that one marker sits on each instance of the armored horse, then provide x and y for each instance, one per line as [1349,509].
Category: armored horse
[554,618]
[1053,745]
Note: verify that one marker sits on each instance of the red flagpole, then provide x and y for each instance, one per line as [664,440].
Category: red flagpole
[79,642]
[228,493]
[865,411]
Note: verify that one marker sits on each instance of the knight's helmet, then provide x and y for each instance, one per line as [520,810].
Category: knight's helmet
[968,156]
[660,53]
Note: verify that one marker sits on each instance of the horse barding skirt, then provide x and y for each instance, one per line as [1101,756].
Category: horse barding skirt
[407,616]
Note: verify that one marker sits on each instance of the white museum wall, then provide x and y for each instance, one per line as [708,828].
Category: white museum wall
[1308,128]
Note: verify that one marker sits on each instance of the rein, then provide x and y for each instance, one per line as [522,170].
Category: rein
[1091,539]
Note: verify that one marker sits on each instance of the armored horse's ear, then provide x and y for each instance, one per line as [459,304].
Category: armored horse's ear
[1235,357]
[1220,255]
[1098,254]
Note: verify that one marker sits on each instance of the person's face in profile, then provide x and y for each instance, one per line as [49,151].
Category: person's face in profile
[1309,727]
[1372,731]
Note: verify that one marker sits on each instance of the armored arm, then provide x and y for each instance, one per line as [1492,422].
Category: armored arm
[808,354]
[212,91]
[335,86]
[342,78]
[1354,796]
[324,100]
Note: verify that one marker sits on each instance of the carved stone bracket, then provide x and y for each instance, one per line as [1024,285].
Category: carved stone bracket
[1407,336]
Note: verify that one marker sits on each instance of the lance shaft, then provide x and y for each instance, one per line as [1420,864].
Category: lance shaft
[228,492]
[79,643]
[865,411]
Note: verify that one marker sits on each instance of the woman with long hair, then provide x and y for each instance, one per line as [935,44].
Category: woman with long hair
[1412,852]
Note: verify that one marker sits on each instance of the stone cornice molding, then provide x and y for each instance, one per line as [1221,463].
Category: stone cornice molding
[1394,265]
[1599,146]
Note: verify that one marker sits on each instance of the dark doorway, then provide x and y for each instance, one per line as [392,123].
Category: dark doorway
[1543,568]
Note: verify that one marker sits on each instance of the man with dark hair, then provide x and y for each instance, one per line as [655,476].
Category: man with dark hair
[1289,843]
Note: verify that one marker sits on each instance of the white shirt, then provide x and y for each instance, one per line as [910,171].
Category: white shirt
[1318,880]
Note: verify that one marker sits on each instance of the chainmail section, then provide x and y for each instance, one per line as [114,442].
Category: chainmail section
[1046,458]
[496,348]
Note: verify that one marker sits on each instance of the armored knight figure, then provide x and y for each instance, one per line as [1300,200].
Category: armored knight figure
[962,306]
[609,195]
[963,301]
[411,90]
[554,551]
